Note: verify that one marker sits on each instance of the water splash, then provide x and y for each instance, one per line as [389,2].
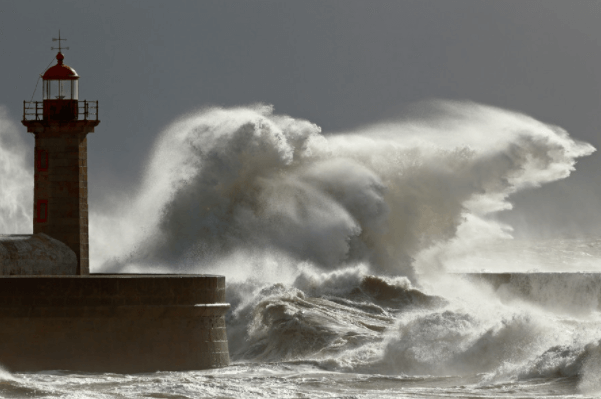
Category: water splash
[16,179]
[590,382]
[321,236]
[246,179]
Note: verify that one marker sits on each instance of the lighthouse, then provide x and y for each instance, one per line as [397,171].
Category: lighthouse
[60,124]
[54,313]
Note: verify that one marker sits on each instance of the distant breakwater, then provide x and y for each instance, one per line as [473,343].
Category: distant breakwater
[573,292]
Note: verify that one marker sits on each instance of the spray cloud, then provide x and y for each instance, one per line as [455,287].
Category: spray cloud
[16,179]
[222,181]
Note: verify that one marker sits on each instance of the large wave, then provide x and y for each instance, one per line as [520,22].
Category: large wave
[333,244]
[246,180]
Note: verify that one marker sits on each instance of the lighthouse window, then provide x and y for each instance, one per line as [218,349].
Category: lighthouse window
[74,89]
[42,211]
[64,89]
[60,90]
[53,89]
[42,160]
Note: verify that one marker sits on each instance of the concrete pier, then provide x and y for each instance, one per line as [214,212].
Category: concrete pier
[113,323]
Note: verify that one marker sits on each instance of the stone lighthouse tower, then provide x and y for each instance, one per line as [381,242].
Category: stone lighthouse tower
[60,124]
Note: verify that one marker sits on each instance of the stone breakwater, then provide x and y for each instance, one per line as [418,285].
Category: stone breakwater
[569,292]
[113,323]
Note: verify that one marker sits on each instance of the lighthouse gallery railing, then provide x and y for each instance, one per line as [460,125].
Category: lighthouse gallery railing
[86,110]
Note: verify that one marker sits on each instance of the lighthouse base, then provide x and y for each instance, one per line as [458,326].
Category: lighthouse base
[113,323]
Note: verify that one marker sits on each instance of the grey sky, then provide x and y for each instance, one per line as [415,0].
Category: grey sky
[340,64]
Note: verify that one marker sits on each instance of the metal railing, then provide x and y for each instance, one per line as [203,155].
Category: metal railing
[33,110]
[86,110]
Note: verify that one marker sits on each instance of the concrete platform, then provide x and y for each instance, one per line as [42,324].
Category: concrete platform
[113,323]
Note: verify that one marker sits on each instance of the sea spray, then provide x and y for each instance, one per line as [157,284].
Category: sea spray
[246,179]
[590,381]
[321,236]
[16,178]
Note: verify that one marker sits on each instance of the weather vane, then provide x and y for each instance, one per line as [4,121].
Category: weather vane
[60,49]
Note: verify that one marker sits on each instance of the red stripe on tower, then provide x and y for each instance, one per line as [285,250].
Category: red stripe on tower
[42,211]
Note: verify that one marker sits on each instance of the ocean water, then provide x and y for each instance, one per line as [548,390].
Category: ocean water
[349,257]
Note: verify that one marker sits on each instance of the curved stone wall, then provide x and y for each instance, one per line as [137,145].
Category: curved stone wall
[113,323]
[38,254]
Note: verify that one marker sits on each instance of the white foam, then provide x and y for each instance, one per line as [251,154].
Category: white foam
[16,179]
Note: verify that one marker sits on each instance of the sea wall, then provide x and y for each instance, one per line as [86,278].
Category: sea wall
[569,292]
[37,254]
[113,323]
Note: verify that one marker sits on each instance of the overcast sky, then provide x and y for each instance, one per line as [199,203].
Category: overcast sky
[340,64]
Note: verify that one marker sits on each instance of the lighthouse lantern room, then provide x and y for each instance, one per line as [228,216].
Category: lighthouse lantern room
[60,81]
[60,91]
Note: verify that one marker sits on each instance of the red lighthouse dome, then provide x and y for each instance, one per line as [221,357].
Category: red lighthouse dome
[60,71]
[61,82]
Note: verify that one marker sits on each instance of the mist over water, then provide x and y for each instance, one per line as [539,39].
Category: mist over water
[337,247]
[221,181]
[16,179]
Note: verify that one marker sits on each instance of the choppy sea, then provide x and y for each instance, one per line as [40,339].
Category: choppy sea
[351,334]
[351,259]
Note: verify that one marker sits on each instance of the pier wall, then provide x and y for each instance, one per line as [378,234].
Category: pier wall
[113,323]
[573,293]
